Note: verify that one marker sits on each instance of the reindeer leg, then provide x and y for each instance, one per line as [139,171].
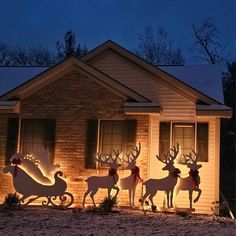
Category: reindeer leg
[190,192]
[109,193]
[133,195]
[151,199]
[144,197]
[130,197]
[117,191]
[171,198]
[199,194]
[168,199]
[85,195]
[92,196]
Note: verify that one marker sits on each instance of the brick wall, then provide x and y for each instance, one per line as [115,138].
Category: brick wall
[72,100]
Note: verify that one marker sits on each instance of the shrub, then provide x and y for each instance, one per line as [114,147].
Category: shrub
[108,204]
[12,200]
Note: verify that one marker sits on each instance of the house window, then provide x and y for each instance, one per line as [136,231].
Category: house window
[12,138]
[184,135]
[38,135]
[113,135]
[190,136]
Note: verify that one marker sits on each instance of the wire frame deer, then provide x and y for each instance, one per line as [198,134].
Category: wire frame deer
[192,182]
[166,184]
[109,181]
[130,182]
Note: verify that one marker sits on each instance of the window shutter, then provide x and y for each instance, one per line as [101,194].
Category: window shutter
[12,137]
[49,141]
[164,142]
[202,141]
[92,130]
[131,131]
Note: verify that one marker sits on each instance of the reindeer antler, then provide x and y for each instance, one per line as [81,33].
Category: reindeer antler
[108,158]
[172,153]
[116,156]
[191,162]
[189,156]
[135,152]
[102,158]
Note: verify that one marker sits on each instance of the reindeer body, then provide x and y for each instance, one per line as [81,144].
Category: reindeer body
[130,182]
[192,182]
[109,181]
[166,184]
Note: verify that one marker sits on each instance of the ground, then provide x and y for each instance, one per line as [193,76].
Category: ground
[48,221]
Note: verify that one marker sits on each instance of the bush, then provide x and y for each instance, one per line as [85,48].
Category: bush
[108,204]
[12,200]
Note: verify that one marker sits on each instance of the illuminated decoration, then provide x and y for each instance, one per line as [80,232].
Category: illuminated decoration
[30,181]
[166,184]
[109,181]
[130,182]
[192,182]
[30,164]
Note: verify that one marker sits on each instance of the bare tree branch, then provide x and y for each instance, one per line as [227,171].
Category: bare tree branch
[206,46]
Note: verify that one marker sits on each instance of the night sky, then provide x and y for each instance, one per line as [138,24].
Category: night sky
[42,23]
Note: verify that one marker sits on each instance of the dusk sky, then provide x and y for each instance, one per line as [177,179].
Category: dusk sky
[41,23]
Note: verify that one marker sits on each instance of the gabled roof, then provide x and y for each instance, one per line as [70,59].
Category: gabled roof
[13,76]
[48,75]
[180,78]
[205,78]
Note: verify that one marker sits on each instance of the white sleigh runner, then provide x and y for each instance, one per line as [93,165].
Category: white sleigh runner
[30,180]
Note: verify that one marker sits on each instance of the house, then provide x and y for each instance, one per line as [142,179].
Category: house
[113,99]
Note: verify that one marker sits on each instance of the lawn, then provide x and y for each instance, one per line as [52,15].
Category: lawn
[49,221]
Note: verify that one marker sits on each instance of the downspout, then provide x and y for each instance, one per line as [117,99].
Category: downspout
[19,136]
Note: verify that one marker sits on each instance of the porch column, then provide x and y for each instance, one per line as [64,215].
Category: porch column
[154,146]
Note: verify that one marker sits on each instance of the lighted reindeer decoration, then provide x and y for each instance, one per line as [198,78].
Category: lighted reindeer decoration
[109,181]
[190,183]
[129,183]
[166,184]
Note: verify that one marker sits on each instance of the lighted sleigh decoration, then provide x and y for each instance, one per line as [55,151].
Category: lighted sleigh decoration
[33,181]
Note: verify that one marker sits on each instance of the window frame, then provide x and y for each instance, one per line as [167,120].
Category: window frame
[44,122]
[195,123]
[174,124]
[124,143]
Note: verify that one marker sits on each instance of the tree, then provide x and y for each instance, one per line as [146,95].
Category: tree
[206,45]
[40,56]
[34,56]
[19,57]
[158,48]
[70,47]
[229,126]
[4,54]
[228,134]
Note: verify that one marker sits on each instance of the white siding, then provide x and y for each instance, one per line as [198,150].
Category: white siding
[140,80]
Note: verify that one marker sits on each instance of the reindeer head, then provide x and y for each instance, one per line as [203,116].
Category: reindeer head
[169,158]
[132,157]
[110,159]
[192,162]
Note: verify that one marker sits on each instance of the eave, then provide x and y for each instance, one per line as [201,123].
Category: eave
[9,107]
[142,108]
[214,110]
